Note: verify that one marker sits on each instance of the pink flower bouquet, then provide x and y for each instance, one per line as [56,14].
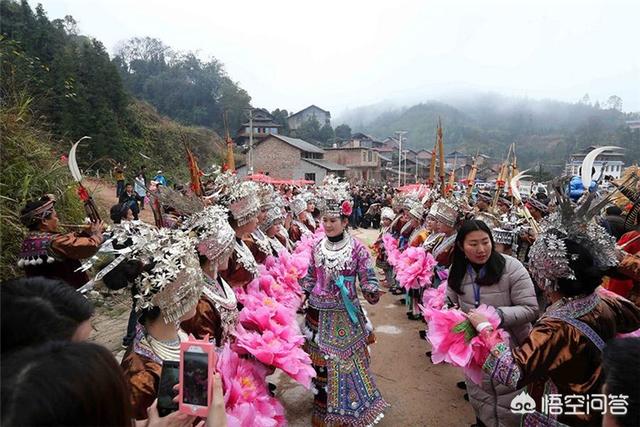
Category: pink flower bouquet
[454,340]
[279,348]
[414,268]
[246,396]
[391,248]
[433,299]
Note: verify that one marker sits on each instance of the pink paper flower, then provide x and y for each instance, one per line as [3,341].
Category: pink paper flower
[447,345]
[480,348]
[246,396]
[414,268]
[279,348]
[433,299]
[455,340]
[391,248]
[265,313]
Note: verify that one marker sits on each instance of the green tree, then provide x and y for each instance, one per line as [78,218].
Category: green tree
[281,117]
[614,102]
[343,131]
[327,134]
[180,84]
[309,130]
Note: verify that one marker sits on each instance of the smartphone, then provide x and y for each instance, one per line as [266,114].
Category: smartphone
[197,363]
[169,377]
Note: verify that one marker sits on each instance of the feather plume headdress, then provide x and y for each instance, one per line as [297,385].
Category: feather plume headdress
[549,260]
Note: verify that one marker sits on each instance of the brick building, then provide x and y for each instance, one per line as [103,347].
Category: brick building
[363,163]
[283,157]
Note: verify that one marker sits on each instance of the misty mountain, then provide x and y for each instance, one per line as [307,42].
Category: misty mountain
[545,131]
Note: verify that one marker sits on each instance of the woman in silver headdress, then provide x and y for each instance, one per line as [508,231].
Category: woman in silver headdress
[338,333]
[562,354]
[244,206]
[300,224]
[217,312]
[169,287]
[258,242]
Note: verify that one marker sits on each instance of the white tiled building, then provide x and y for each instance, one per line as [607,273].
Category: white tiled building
[612,162]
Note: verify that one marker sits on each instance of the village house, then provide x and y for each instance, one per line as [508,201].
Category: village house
[311,112]
[263,126]
[363,163]
[611,163]
[283,157]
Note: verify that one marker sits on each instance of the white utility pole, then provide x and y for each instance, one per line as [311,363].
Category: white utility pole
[404,175]
[400,133]
[250,171]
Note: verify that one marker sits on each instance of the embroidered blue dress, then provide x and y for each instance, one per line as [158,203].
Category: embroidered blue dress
[338,334]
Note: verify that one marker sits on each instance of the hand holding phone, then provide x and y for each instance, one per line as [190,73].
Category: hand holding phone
[197,363]
[169,377]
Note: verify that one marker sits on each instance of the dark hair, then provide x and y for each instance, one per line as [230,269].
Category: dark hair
[613,210]
[36,310]
[123,274]
[34,223]
[129,274]
[588,276]
[493,268]
[64,383]
[622,376]
[118,212]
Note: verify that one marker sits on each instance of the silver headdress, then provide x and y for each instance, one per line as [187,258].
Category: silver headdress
[266,194]
[335,199]
[417,210]
[309,197]
[548,256]
[445,212]
[298,205]
[173,278]
[240,198]
[387,213]
[215,235]
[274,215]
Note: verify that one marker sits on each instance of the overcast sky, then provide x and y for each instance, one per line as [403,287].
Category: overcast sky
[342,54]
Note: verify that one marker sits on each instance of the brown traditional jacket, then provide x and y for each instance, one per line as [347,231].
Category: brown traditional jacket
[142,373]
[206,321]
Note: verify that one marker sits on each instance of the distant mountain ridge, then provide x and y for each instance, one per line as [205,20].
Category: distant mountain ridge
[544,130]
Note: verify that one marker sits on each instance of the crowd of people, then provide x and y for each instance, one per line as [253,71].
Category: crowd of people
[542,292]
[544,289]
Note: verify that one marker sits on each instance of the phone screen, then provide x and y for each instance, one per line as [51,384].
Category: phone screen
[169,377]
[196,376]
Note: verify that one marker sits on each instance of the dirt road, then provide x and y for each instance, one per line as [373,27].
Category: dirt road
[420,393]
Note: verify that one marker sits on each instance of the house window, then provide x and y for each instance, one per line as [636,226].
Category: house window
[370,156]
[364,156]
[310,177]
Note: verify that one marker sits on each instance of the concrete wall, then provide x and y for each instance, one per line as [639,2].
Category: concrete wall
[305,167]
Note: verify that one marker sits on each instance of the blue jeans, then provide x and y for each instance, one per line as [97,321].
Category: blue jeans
[119,188]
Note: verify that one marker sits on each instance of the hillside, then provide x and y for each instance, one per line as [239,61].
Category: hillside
[545,131]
